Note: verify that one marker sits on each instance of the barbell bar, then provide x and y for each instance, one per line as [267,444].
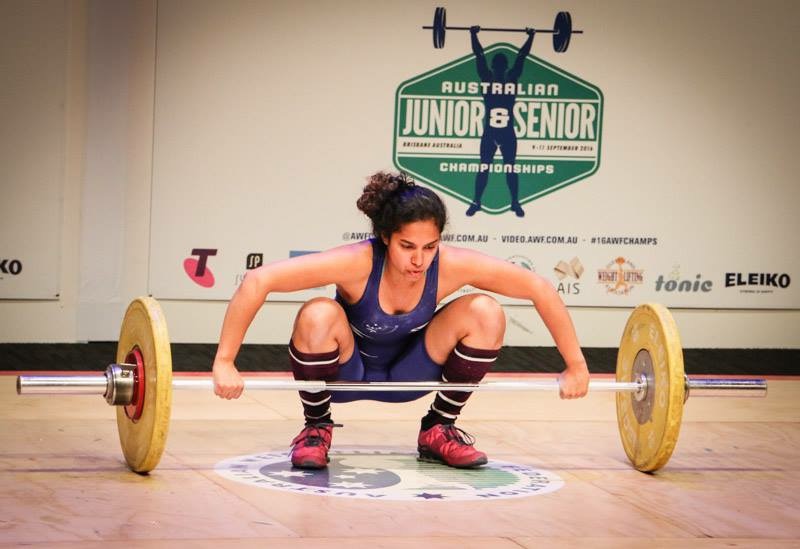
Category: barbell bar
[111,382]
[651,386]
[562,30]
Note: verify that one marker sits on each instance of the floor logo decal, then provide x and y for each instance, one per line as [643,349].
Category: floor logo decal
[387,474]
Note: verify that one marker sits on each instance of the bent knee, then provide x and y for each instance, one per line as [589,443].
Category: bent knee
[318,317]
[488,314]
[320,311]
[485,306]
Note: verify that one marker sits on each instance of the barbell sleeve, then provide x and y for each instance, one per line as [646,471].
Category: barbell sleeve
[730,387]
[62,385]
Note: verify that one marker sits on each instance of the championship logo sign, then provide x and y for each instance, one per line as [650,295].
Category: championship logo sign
[498,128]
[388,475]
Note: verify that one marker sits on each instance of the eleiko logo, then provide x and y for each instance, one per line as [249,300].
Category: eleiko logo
[386,475]
[620,276]
[10,266]
[197,269]
[758,279]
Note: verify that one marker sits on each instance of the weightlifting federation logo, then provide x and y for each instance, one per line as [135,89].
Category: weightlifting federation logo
[496,145]
[389,475]
[620,276]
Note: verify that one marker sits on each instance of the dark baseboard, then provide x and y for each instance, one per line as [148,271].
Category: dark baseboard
[194,357]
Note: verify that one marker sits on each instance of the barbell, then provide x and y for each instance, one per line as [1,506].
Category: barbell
[562,29]
[650,384]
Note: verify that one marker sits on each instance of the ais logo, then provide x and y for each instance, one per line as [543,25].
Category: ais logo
[565,272]
[197,267]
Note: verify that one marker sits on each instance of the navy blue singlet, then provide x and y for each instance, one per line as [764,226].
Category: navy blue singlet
[380,337]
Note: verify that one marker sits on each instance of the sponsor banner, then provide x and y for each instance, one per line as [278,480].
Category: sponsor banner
[208,273]
[30,218]
[584,270]
[520,166]
[26,273]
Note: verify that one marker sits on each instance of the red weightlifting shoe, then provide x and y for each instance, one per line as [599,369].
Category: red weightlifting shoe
[310,447]
[449,445]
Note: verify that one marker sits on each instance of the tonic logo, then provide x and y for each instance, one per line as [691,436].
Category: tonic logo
[197,269]
[254,261]
[10,266]
[678,285]
[758,279]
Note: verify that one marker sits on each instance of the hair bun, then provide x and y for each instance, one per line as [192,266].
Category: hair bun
[379,190]
[391,200]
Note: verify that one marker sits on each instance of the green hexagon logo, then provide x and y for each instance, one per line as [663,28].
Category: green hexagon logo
[483,142]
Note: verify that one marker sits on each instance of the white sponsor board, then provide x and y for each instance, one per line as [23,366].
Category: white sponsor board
[677,211]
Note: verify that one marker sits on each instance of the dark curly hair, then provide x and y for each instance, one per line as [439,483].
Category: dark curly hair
[391,200]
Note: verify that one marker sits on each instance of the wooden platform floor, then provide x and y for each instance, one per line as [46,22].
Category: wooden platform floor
[732,482]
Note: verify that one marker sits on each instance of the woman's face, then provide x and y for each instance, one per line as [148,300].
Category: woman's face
[412,247]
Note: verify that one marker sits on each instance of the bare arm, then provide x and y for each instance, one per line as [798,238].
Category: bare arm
[342,266]
[468,267]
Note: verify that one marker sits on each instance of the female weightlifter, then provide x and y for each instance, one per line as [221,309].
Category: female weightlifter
[384,324]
